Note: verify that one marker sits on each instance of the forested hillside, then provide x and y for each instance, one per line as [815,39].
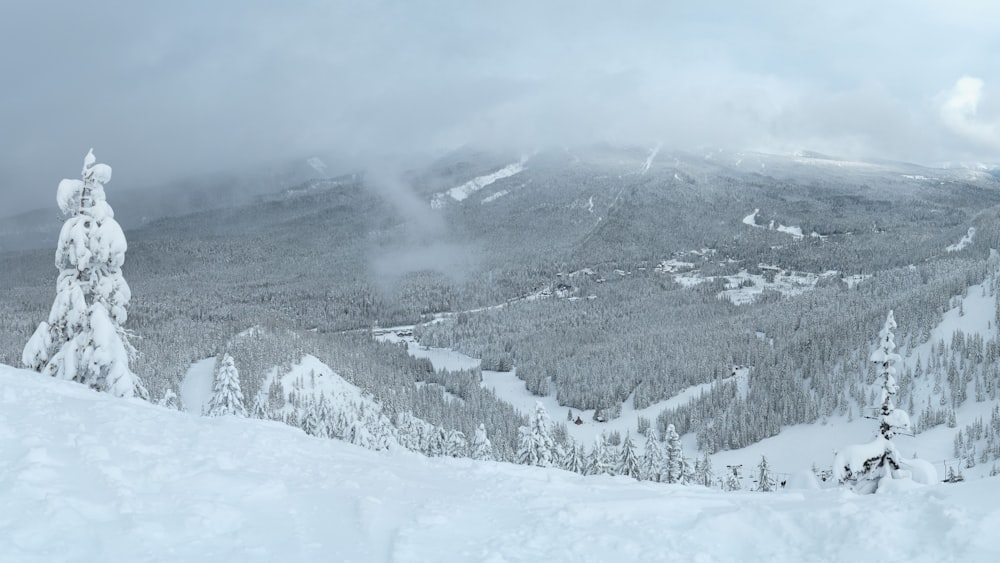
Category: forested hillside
[625,274]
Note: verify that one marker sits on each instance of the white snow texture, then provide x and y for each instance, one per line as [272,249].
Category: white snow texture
[86,477]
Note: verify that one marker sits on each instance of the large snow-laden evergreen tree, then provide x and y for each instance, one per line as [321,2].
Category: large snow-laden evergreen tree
[227,397]
[863,466]
[84,339]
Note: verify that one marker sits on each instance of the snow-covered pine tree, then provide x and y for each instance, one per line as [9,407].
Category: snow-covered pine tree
[456,445]
[576,459]
[765,480]
[227,397]
[437,442]
[310,421]
[863,466]
[597,462]
[260,407]
[535,443]
[84,339]
[687,471]
[358,434]
[891,419]
[628,462]
[409,433]
[674,457]
[525,447]
[652,458]
[383,433]
[704,475]
[481,448]
[169,399]
[609,453]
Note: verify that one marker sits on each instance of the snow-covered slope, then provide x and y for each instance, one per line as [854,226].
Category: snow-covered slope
[460,193]
[86,477]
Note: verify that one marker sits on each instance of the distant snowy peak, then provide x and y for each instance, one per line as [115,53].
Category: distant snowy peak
[462,192]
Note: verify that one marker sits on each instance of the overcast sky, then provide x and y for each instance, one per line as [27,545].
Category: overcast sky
[167,89]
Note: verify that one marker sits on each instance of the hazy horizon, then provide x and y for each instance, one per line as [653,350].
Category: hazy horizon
[164,92]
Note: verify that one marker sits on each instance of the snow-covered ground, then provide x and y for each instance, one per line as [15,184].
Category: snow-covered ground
[795,232]
[86,477]
[196,389]
[513,390]
[964,242]
[743,287]
[494,197]
[796,448]
[461,193]
[799,446]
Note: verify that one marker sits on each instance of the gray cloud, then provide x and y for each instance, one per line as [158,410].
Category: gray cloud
[171,89]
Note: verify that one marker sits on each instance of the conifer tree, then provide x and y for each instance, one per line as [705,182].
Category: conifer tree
[437,442]
[84,339]
[675,456]
[535,443]
[609,454]
[481,448]
[359,434]
[169,399]
[409,435]
[227,397]
[576,459]
[628,462]
[891,419]
[652,458]
[704,475]
[310,421]
[687,471]
[863,467]
[765,481]
[455,445]
[260,407]
[597,462]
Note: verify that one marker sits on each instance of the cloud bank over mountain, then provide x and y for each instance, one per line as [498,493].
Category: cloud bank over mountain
[231,84]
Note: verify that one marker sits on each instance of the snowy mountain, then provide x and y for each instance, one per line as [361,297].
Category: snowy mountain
[621,284]
[86,477]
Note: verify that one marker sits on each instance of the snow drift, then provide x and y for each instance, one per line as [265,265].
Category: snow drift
[87,477]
